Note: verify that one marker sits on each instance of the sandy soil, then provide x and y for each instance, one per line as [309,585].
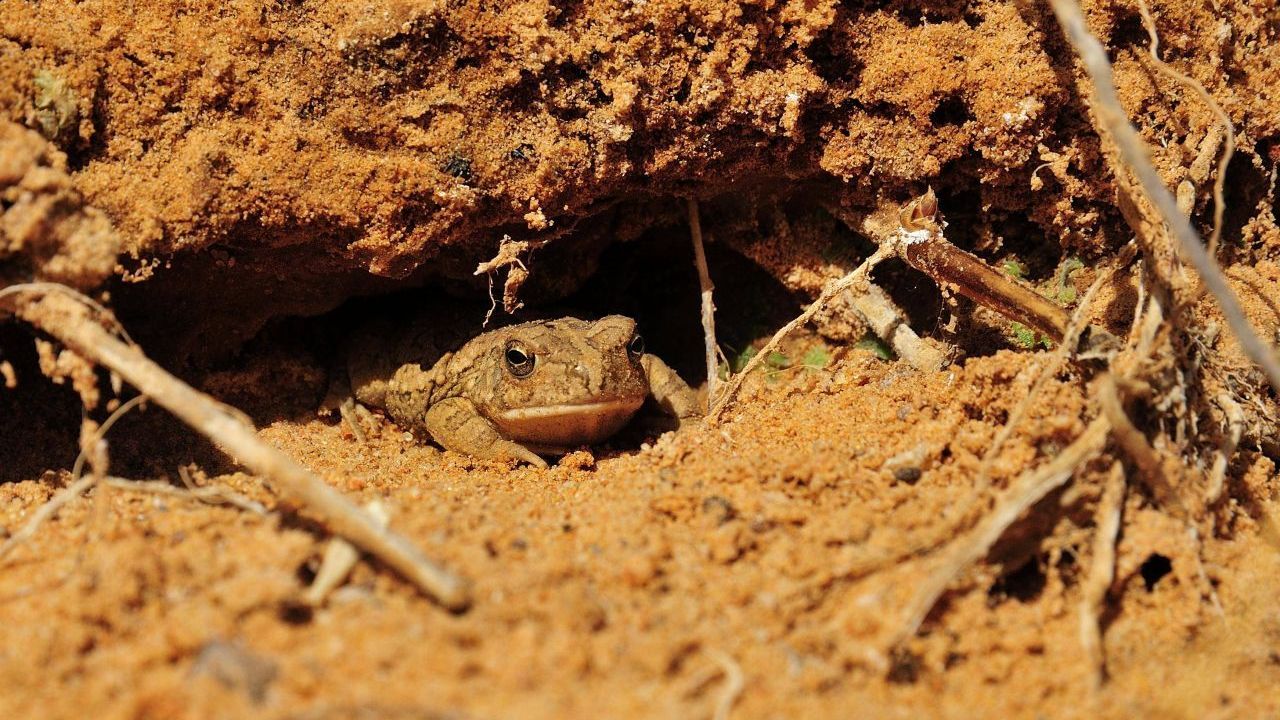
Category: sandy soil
[259,165]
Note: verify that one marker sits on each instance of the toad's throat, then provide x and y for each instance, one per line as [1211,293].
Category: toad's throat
[568,425]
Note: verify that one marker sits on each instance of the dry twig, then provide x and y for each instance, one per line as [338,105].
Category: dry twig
[69,321]
[922,244]
[215,495]
[708,303]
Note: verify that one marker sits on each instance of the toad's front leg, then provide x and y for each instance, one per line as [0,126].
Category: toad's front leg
[457,425]
[670,391]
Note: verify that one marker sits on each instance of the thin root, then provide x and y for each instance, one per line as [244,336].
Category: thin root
[708,303]
[1224,120]
[210,495]
[734,682]
[1135,445]
[1026,491]
[1042,373]
[1133,154]
[1102,570]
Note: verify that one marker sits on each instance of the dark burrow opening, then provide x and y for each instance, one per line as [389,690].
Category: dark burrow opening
[284,371]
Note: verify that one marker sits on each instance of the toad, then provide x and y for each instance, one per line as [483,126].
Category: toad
[517,392]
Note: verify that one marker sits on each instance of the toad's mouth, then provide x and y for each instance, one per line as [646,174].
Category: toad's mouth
[599,407]
[568,424]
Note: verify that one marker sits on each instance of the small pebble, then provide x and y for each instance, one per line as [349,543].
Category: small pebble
[908,474]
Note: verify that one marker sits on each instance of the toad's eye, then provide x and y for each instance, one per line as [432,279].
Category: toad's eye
[636,346]
[519,360]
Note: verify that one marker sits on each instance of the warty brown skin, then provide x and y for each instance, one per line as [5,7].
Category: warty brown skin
[540,387]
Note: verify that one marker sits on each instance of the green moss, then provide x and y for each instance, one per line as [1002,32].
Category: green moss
[816,359]
[777,361]
[1066,291]
[1029,339]
[876,346]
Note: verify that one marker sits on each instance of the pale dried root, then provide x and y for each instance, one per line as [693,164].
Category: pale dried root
[339,558]
[1102,568]
[708,303]
[1235,428]
[69,321]
[1224,121]
[1025,491]
[1133,154]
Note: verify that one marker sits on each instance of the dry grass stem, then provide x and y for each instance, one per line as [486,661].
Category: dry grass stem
[47,511]
[1102,568]
[708,303]
[93,451]
[856,278]
[209,495]
[69,321]
[1025,491]
[1134,155]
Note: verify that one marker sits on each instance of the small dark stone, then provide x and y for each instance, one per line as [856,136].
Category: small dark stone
[296,613]
[459,167]
[523,151]
[909,474]
[904,667]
